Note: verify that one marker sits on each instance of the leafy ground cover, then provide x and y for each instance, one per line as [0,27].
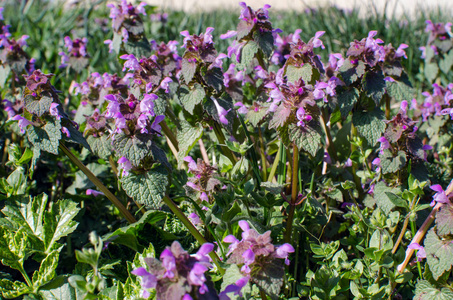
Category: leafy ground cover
[270,156]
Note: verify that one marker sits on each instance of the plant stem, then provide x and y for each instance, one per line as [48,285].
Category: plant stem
[169,134]
[204,153]
[294,194]
[422,231]
[221,138]
[27,279]
[197,235]
[129,217]
[172,147]
[262,153]
[275,164]
[330,147]
[403,230]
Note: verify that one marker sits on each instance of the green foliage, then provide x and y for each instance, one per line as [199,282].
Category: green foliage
[47,137]
[439,254]
[370,124]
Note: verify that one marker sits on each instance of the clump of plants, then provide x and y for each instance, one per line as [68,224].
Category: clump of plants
[263,172]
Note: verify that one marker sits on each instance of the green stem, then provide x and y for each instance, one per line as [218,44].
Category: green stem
[221,138]
[27,279]
[275,164]
[129,217]
[197,235]
[422,231]
[294,194]
[330,147]
[262,153]
[168,133]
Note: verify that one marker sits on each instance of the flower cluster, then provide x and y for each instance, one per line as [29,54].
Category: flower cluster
[177,275]
[76,53]
[203,181]
[437,103]
[12,53]
[254,253]
[126,21]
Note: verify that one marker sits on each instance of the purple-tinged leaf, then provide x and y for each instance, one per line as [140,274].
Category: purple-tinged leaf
[444,220]
[439,253]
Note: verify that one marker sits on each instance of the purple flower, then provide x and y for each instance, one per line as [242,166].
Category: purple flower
[65,131]
[147,104]
[316,41]
[196,277]
[400,51]
[202,253]
[191,163]
[249,258]
[131,62]
[283,252]
[155,126]
[421,250]
[236,288]
[23,123]
[204,197]
[93,193]
[222,112]
[195,219]
[242,108]
[302,117]
[228,35]
[54,111]
[125,165]
[385,144]
[165,84]
[149,281]
[440,196]
[169,263]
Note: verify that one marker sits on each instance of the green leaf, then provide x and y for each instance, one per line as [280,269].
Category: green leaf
[38,107]
[188,67]
[45,138]
[431,70]
[390,164]
[75,136]
[4,73]
[134,148]
[141,48]
[446,63]
[307,138]
[101,146]
[192,97]
[81,181]
[46,271]
[127,235]
[295,73]
[381,196]
[351,73]
[270,277]
[13,246]
[214,78]
[381,240]
[59,289]
[370,124]
[78,64]
[439,254]
[400,90]
[347,98]
[265,41]
[58,222]
[187,137]
[397,200]
[444,220]
[26,157]
[148,188]
[248,53]
[425,291]
[227,103]
[374,86]
[233,274]
[14,289]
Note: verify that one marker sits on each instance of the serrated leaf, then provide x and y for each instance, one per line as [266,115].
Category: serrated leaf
[148,188]
[265,41]
[188,68]
[255,117]
[27,213]
[446,63]
[248,53]
[273,188]
[214,78]
[141,48]
[382,199]
[101,146]
[127,235]
[59,289]
[439,254]
[431,70]
[295,73]
[400,90]
[45,138]
[14,289]
[46,271]
[280,116]
[307,138]
[4,73]
[374,86]
[13,246]
[134,148]
[370,124]
[187,136]
[191,97]
[78,63]
[351,73]
[38,107]
[425,291]
[58,222]
[390,164]
[347,98]
[444,220]
[270,277]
